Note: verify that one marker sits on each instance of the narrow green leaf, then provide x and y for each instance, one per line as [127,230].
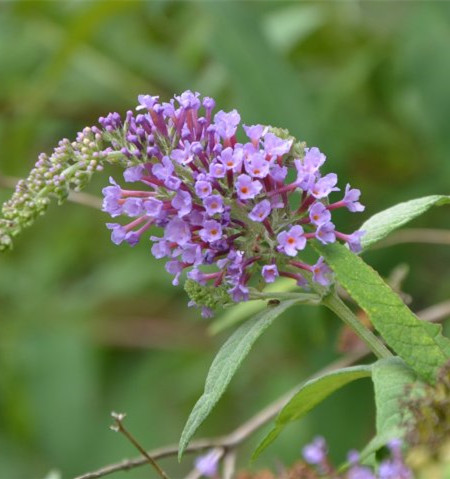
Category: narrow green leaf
[311,393]
[390,377]
[225,364]
[380,225]
[420,344]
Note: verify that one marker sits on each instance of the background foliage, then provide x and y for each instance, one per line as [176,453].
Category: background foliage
[87,327]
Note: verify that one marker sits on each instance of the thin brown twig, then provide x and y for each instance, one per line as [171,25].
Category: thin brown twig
[434,313]
[119,427]
[229,441]
[415,235]
[84,199]
[437,312]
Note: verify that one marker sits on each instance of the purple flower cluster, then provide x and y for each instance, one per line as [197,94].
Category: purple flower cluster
[247,207]
[316,454]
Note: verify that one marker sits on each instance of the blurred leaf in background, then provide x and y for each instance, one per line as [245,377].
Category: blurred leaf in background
[87,327]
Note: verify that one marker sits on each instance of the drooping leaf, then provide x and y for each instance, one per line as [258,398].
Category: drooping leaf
[225,364]
[380,225]
[420,344]
[312,393]
[390,377]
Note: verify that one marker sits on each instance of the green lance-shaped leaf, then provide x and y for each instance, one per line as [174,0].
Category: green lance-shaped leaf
[311,393]
[380,225]
[225,364]
[390,377]
[418,343]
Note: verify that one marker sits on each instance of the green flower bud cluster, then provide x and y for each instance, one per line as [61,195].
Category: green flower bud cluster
[70,167]
[207,296]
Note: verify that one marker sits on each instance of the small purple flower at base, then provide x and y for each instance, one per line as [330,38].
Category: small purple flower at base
[356,471]
[270,273]
[292,241]
[394,468]
[211,232]
[207,465]
[261,211]
[246,187]
[325,233]
[321,272]
[318,214]
[316,452]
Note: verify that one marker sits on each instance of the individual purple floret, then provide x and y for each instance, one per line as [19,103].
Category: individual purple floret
[208,464]
[292,241]
[229,214]
[356,470]
[315,452]
[395,467]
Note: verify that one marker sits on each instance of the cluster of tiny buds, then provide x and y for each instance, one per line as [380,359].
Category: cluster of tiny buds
[69,167]
[249,207]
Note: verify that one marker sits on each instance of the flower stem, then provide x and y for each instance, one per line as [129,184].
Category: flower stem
[308,298]
[333,302]
[119,427]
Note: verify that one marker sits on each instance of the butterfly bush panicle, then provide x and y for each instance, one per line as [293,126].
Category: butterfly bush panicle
[231,214]
[69,167]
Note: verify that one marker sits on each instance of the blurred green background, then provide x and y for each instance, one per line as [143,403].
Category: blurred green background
[87,327]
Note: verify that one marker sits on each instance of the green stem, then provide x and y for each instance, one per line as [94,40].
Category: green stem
[282,296]
[333,302]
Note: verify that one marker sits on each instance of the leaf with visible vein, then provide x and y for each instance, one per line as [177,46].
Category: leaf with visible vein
[310,395]
[390,378]
[420,344]
[380,225]
[225,364]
